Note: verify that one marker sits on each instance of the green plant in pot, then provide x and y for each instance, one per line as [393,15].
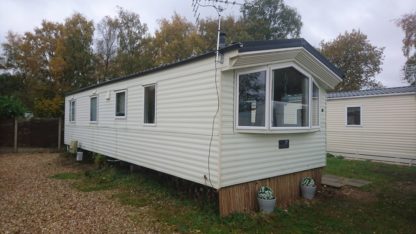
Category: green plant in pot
[266,199]
[308,187]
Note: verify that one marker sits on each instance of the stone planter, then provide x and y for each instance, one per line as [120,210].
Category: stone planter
[266,206]
[308,192]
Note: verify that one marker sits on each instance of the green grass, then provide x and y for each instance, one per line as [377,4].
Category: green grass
[66,176]
[388,205]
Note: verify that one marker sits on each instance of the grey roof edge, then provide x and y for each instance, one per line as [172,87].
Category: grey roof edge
[290,43]
[373,92]
[241,46]
[155,69]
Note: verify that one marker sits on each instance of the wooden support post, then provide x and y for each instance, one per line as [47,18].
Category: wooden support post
[59,133]
[15,135]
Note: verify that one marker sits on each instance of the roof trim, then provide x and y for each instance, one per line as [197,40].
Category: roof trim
[370,96]
[242,47]
[404,90]
[155,69]
[289,43]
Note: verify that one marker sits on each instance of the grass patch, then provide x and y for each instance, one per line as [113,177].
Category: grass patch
[66,176]
[392,209]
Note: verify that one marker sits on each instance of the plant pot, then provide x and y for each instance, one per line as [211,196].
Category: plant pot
[308,192]
[79,155]
[266,206]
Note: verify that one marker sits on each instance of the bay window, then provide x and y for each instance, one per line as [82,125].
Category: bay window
[277,99]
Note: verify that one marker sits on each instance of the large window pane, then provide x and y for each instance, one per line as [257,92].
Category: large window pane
[93,109]
[290,98]
[252,99]
[121,104]
[354,115]
[315,105]
[149,104]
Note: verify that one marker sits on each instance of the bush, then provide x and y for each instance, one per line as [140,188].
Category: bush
[99,160]
[308,181]
[265,193]
[11,107]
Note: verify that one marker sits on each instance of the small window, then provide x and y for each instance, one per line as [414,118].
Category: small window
[149,104]
[93,109]
[315,105]
[354,116]
[121,104]
[252,99]
[72,111]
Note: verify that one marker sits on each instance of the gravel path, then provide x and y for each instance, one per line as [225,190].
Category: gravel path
[31,202]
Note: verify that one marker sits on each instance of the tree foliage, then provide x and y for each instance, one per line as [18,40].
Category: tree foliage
[176,39]
[408,24]
[360,61]
[271,19]
[11,107]
[58,57]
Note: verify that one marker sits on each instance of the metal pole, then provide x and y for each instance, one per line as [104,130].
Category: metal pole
[15,135]
[59,133]
[218,37]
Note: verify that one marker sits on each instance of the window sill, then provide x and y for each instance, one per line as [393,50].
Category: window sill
[283,131]
[149,125]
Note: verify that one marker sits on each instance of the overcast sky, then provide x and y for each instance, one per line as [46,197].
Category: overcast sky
[322,20]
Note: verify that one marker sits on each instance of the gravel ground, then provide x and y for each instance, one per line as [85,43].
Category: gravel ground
[31,202]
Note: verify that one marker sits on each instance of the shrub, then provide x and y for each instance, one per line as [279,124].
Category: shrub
[266,193]
[11,107]
[308,181]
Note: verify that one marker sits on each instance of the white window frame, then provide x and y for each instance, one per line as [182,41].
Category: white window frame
[125,103]
[144,97]
[287,65]
[319,105]
[96,109]
[266,114]
[269,86]
[72,112]
[346,116]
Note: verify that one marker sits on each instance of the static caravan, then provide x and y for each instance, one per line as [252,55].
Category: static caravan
[376,124]
[253,116]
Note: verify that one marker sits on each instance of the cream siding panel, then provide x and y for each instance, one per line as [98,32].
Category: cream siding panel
[388,131]
[178,145]
[251,156]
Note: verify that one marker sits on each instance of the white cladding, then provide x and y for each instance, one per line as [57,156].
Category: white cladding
[186,101]
[387,132]
[251,156]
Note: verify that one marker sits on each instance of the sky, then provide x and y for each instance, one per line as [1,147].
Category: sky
[323,20]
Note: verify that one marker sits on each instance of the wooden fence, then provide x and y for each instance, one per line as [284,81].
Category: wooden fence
[33,133]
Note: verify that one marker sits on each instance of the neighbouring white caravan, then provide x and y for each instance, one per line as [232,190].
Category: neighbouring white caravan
[376,124]
[257,114]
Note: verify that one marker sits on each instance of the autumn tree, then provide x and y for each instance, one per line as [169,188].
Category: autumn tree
[270,19]
[176,39]
[360,61]
[133,43]
[52,60]
[233,28]
[106,46]
[408,24]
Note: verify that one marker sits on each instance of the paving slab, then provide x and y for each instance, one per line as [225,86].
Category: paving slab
[338,181]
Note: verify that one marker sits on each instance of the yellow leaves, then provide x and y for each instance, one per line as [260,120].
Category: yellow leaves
[49,107]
